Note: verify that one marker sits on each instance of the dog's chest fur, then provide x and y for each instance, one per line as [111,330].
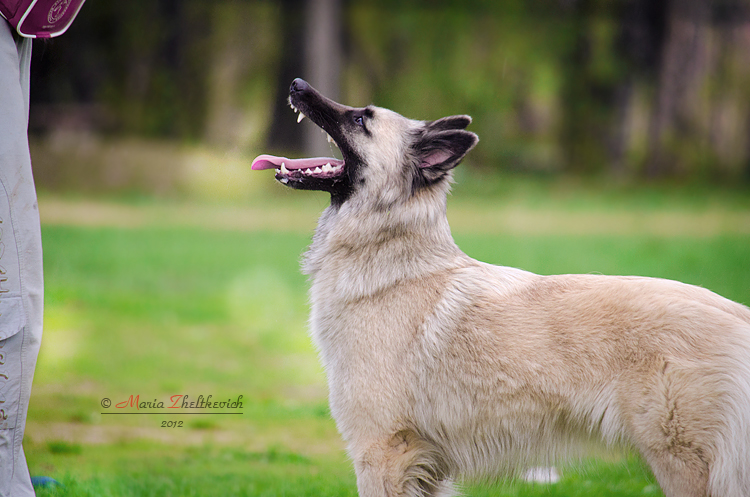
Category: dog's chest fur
[370,297]
[381,325]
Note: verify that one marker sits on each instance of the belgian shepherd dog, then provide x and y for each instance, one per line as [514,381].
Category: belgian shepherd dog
[441,367]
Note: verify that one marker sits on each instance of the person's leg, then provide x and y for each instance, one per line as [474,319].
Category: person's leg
[21,281]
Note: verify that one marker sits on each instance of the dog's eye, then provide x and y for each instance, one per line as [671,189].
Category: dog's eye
[359,120]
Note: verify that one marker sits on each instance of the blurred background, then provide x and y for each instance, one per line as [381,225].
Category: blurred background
[636,89]
[614,139]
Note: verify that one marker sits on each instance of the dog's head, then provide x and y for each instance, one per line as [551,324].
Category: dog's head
[386,157]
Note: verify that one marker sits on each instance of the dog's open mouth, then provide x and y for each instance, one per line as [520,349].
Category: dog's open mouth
[299,169]
[293,170]
[317,173]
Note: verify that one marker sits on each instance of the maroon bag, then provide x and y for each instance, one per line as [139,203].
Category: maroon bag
[40,18]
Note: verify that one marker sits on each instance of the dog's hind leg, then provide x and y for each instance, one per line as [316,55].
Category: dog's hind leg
[675,425]
[401,465]
[679,476]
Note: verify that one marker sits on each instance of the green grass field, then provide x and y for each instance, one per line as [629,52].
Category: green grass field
[157,299]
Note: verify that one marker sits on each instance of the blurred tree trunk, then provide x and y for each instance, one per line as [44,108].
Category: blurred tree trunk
[228,60]
[312,50]
[682,70]
[322,61]
[242,59]
[284,134]
[641,34]
[730,122]
[589,89]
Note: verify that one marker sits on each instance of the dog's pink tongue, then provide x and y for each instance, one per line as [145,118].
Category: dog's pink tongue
[272,162]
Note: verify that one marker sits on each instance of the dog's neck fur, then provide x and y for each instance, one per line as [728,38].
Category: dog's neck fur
[344,260]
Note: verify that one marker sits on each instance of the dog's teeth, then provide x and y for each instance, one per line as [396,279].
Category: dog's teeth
[284,170]
[300,117]
[284,180]
[278,170]
[307,171]
[327,168]
[318,170]
[330,140]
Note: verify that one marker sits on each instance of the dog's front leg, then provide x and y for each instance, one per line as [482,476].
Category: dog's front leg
[401,465]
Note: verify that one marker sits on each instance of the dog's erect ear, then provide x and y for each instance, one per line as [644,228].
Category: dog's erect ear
[440,151]
[450,122]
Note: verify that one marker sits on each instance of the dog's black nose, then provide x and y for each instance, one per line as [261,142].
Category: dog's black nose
[298,85]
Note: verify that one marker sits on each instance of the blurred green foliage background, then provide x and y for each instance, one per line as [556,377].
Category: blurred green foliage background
[634,89]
